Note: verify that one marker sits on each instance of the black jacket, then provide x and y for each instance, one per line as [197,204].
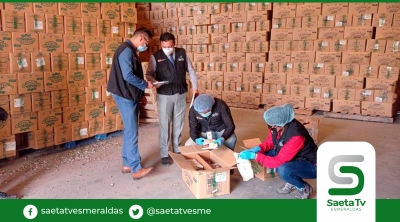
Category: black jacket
[116,83]
[220,119]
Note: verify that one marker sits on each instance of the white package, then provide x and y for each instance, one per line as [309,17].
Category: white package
[244,166]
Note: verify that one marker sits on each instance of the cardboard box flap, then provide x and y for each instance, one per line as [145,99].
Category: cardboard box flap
[250,143]
[225,155]
[191,149]
[181,161]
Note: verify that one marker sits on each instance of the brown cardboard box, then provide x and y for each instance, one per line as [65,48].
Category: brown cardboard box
[90,27]
[93,94]
[20,62]
[191,30]
[55,81]
[214,8]
[263,26]
[279,56]
[35,22]
[234,47]
[382,19]
[218,38]
[111,108]
[318,104]
[281,34]
[384,59]
[237,37]
[226,7]
[255,36]
[185,39]
[253,77]
[13,21]
[32,82]
[255,87]
[73,26]
[350,82]
[388,73]
[204,57]
[8,84]
[73,114]
[59,99]
[94,44]
[331,33]
[388,85]
[396,20]
[250,98]
[130,29]
[285,67]
[290,45]
[41,138]
[362,58]
[5,129]
[346,94]
[312,91]
[271,100]
[256,57]
[284,12]
[376,45]
[77,61]
[25,42]
[213,29]
[343,20]
[269,88]
[231,96]
[110,124]
[23,123]
[364,95]
[249,26]
[54,24]
[302,56]
[112,43]
[51,42]
[6,42]
[80,130]
[219,18]
[49,118]
[96,127]
[199,181]
[362,19]
[295,79]
[378,109]
[91,10]
[110,12]
[247,46]
[203,29]
[233,67]
[364,32]
[40,62]
[305,45]
[304,33]
[77,96]
[62,134]
[384,96]
[215,76]
[387,33]
[279,23]
[392,46]
[235,57]
[21,103]
[389,8]
[185,21]
[244,67]
[258,67]
[105,95]
[323,45]
[117,29]
[264,6]
[59,61]
[329,93]
[328,57]
[369,71]
[356,45]
[70,9]
[309,9]
[217,85]
[214,93]
[208,66]
[128,14]
[275,78]
[201,19]
[257,16]
[94,110]
[298,90]
[322,80]
[18,6]
[363,8]
[74,44]
[201,39]
[335,8]
[8,147]
[41,101]
[96,77]
[326,21]
[92,61]
[272,67]
[233,77]
[350,70]
[295,101]
[346,106]
[236,17]
[300,68]
[5,103]
[309,22]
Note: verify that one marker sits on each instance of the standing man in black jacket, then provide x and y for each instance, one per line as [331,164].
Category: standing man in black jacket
[171,64]
[127,84]
[211,116]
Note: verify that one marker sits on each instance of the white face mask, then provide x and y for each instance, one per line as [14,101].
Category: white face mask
[168,51]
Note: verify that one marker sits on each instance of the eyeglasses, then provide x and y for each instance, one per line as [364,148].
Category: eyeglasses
[147,42]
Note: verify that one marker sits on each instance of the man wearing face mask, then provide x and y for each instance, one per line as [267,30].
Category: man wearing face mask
[171,64]
[289,148]
[127,84]
[211,116]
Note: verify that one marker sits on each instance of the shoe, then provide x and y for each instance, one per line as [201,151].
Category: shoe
[165,161]
[141,173]
[286,188]
[304,193]
[6,196]
[125,169]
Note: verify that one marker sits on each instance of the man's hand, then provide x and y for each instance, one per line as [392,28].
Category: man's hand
[143,101]
[149,85]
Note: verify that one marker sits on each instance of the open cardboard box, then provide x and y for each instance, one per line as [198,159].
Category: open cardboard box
[261,172]
[208,182]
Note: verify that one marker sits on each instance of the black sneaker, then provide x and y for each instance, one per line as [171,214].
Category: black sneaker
[6,196]
[165,161]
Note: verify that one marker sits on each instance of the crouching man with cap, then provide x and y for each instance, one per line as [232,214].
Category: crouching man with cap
[289,148]
[211,116]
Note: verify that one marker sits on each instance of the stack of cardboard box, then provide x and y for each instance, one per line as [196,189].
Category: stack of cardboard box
[227,43]
[342,55]
[54,61]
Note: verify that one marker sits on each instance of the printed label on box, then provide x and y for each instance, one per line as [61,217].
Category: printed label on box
[19,102]
[40,62]
[220,177]
[83,132]
[95,95]
[130,30]
[38,25]
[109,61]
[80,60]
[115,30]
[22,63]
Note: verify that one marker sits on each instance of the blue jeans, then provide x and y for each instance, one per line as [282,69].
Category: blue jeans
[293,172]
[130,151]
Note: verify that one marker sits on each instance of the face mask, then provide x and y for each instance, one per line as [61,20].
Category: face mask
[168,51]
[142,48]
[205,115]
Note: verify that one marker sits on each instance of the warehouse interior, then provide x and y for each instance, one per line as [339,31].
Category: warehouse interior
[337,64]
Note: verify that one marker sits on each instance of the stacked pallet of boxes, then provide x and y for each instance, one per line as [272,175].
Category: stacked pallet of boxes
[227,43]
[54,60]
[338,57]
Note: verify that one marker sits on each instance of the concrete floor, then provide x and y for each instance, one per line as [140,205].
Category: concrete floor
[93,171]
